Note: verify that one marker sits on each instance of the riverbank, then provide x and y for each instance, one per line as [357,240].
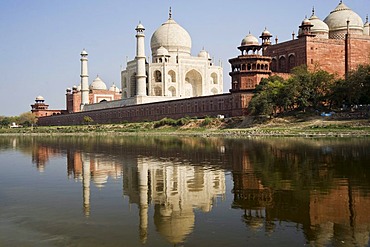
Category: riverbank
[313,126]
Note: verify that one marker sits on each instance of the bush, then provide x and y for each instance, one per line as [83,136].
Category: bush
[207,120]
[164,122]
[182,121]
[88,120]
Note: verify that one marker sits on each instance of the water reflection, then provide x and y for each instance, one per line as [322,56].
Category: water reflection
[174,188]
[321,187]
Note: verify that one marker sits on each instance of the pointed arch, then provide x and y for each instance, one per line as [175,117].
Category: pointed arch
[172,75]
[172,91]
[158,91]
[132,85]
[157,76]
[291,62]
[214,78]
[282,64]
[193,82]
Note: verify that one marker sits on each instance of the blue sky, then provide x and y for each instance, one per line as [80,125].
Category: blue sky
[40,40]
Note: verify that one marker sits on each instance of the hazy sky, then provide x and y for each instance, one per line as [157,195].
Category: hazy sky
[41,40]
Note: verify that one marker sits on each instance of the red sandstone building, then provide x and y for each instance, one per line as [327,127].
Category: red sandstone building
[338,44]
[98,92]
[41,109]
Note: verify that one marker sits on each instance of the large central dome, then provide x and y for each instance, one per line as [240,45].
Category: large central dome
[173,37]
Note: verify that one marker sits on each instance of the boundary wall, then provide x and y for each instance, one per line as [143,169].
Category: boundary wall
[228,104]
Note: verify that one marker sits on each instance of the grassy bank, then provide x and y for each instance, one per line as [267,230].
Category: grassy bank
[249,126]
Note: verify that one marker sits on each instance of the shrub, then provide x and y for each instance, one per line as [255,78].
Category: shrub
[182,121]
[165,121]
[88,120]
[207,120]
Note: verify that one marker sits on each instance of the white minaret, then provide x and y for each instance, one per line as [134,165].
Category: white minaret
[84,80]
[140,61]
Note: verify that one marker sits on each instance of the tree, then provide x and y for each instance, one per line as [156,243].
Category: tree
[302,90]
[27,119]
[355,89]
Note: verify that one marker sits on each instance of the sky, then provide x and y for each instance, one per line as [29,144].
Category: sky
[41,40]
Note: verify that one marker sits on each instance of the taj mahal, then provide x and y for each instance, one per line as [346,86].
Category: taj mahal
[175,84]
[172,74]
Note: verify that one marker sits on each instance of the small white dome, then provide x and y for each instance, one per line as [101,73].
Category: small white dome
[204,54]
[114,88]
[140,27]
[39,98]
[249,40]
[320,28]
[337,19]
[306,22]
[98,84]
[162,51]
[84,52]
[266,33]
[367,27]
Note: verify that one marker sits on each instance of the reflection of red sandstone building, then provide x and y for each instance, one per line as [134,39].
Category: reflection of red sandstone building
[341,213]
[41,155]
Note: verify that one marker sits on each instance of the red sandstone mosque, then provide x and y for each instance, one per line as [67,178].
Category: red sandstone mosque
[176,85]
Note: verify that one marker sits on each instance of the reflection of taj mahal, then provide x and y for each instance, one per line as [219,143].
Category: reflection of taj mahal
[175,190]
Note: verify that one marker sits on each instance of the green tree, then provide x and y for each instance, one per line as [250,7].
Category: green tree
[353,90]
[27,119]
[302,90]
[4,121]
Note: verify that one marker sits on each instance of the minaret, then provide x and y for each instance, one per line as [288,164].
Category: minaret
[84,80]
[140,61]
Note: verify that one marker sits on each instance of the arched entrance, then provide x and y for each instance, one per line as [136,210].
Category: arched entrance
[193,83]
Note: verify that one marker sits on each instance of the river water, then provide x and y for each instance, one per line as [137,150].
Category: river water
[184,191]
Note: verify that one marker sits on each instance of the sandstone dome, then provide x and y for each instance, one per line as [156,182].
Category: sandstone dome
[98,84]
[172,37]
[337,21]
[250,40]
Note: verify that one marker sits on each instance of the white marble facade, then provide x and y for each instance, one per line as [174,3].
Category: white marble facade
[173,72]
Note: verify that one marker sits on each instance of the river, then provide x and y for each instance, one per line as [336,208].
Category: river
[184,191]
